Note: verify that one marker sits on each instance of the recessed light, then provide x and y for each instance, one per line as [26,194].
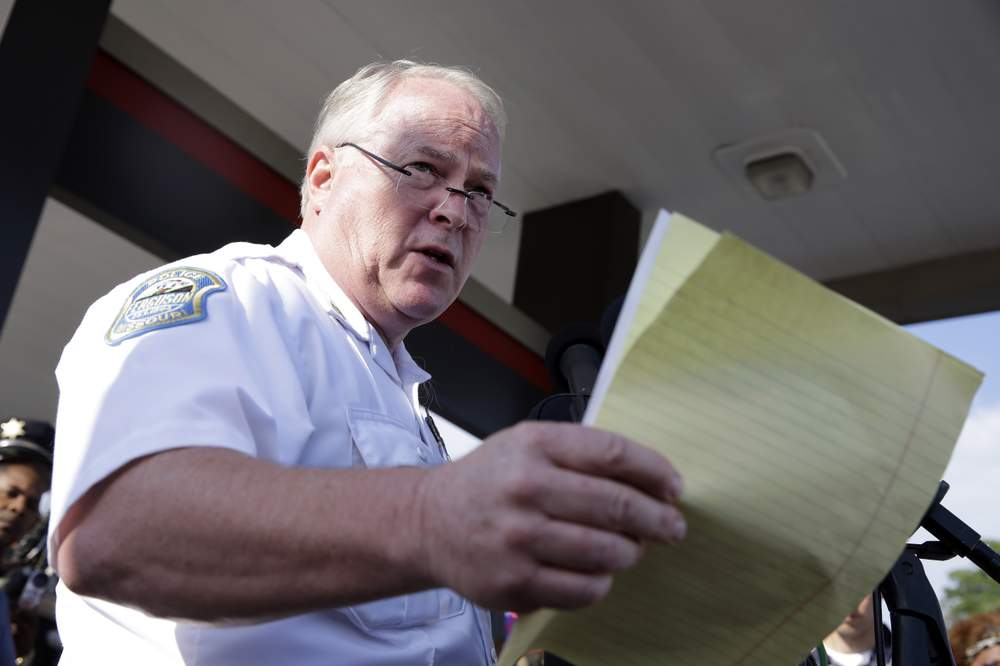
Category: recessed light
[779,176]
[791,162]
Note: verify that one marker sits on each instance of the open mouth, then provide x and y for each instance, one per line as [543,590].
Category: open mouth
[442,258]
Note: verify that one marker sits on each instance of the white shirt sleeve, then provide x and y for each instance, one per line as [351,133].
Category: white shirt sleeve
[208,382]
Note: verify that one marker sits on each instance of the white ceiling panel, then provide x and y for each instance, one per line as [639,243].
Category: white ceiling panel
[638,95]
[64,273]
[5,7]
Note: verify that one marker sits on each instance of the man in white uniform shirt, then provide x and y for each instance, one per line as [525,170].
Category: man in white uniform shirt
[243,473]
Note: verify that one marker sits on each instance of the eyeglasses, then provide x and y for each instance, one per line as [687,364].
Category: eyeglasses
[420,184]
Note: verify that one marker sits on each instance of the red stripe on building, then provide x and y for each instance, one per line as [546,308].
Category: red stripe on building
[497,343]
[119,85]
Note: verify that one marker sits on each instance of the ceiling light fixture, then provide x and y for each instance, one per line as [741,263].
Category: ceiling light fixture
[788,163]
[779,176]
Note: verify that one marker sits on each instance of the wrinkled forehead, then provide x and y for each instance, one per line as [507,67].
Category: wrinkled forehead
[420,111]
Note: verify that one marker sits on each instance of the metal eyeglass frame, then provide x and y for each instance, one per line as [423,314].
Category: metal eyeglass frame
[453,190]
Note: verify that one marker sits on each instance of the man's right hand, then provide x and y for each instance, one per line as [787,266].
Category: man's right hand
[542,515]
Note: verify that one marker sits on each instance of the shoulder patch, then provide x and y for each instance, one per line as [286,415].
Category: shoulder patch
[171,297]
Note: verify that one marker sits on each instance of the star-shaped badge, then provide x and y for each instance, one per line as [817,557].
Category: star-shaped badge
[12,429]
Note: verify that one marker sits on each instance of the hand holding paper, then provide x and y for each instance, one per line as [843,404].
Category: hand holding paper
[810,432]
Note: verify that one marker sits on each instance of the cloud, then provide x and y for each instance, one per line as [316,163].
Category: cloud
[981,434]
[974,476]
[974,471]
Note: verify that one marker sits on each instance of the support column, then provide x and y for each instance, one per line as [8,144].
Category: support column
[45,56]
[575,259]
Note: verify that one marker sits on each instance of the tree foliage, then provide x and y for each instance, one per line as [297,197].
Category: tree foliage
[971,591]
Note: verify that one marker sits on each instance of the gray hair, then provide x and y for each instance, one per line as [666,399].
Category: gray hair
[352,106]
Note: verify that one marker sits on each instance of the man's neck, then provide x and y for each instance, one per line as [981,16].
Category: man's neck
[346,281]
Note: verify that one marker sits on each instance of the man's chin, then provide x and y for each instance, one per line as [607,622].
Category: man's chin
[9,536]
[423,303]
[423,309]
[423,313]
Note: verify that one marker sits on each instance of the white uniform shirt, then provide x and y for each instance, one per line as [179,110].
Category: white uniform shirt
[282,367]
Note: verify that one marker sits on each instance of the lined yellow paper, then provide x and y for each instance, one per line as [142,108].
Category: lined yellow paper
[811,434]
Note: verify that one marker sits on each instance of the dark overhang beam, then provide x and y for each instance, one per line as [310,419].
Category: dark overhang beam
[954,286]
[44,62]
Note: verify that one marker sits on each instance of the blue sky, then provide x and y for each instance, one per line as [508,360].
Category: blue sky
[974,469]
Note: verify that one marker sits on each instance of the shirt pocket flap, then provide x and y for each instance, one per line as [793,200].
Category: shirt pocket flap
[383,441]
[411,610]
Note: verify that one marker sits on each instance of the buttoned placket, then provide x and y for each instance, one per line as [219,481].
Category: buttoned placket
[325,289]
[409,385]
[376,352]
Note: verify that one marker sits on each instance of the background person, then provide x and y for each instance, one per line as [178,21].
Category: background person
[852,643]
[975,641]
[25,473]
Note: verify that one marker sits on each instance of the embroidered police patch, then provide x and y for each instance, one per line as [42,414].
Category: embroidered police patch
[172,297]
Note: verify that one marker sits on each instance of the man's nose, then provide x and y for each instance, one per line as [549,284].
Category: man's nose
[452,210]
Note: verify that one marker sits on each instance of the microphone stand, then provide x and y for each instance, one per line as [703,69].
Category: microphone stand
[918,628]
[579,381]
[573,358]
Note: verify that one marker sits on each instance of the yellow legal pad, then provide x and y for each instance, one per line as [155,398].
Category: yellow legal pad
[811,434]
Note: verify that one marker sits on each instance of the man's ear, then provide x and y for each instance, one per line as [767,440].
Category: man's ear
[319,177]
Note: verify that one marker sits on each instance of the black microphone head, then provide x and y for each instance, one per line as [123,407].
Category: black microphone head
[572,334]
[610,318]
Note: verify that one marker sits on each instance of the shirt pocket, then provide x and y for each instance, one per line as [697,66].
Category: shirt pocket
[409,610]
[383,441]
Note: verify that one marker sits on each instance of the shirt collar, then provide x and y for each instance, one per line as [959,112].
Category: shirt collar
[298,249]
[409,372]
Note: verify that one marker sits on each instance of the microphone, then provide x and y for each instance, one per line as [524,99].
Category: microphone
[573,358]
[609,319]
